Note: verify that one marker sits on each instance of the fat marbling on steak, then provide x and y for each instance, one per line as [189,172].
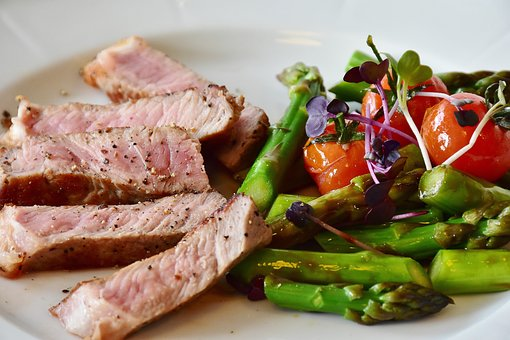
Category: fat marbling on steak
[204,114]
[113,307]
[34,238]
[113,166]
[132,69]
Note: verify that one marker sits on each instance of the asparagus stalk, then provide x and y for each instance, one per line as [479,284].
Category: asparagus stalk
[455,192]
[413,160]
[285,139]
[420,242]
[456,80]
[365,268]
[476,82]
[344,205]
[471,271]
[283,202]
[381,302]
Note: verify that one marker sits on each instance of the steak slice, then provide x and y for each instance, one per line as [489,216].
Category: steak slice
[113,166]
[70,237]
[132,69]
[205,114]
[241,147]
[113,307]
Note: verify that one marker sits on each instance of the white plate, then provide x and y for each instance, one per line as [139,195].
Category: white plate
[243,45]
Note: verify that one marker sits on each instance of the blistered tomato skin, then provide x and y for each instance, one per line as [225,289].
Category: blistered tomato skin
[416,106]
[489,158]
[332,165]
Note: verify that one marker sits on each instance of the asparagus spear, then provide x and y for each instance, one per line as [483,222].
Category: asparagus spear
[455,192]
[420,242]
[283,202]
[471,271]
[344,205]
[285,139]
[476,82]
[456,80]
[381,302]
[364,268]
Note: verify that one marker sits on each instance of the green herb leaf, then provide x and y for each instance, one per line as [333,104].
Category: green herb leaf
[502,118]
[410,69]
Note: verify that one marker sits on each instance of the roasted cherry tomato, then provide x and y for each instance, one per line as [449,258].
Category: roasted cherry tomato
[333,165]
[416,105]
[489,158]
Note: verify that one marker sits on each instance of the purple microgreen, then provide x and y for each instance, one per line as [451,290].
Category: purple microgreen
[337,106]
[254,290]
[381,212]
[317,116]
[320,112]
[369,133]
[410,214]
[353,75]
[373,73]
[369,121]
[257,289]
[369,72]
[396,168]
[386,151]
[301,211]
[466,117]
[298,213]
[377,193]
[411,71]
[384,103]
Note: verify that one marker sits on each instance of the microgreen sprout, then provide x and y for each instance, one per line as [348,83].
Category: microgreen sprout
[411,72]
[318,116]
[300,212]
[254,290]
[457,102]
[320,113]
[374,73]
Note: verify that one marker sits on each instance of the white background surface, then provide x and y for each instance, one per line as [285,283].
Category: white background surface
[242,44]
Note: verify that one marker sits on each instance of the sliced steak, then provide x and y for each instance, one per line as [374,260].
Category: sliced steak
[205,114]
[241,147]
[114,166]
[132,69]
[70,237]
[114,307]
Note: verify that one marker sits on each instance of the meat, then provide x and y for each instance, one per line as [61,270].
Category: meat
[113,307]
[113,166]
[241,147]
[70,237]
[132,69]
[205,114]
